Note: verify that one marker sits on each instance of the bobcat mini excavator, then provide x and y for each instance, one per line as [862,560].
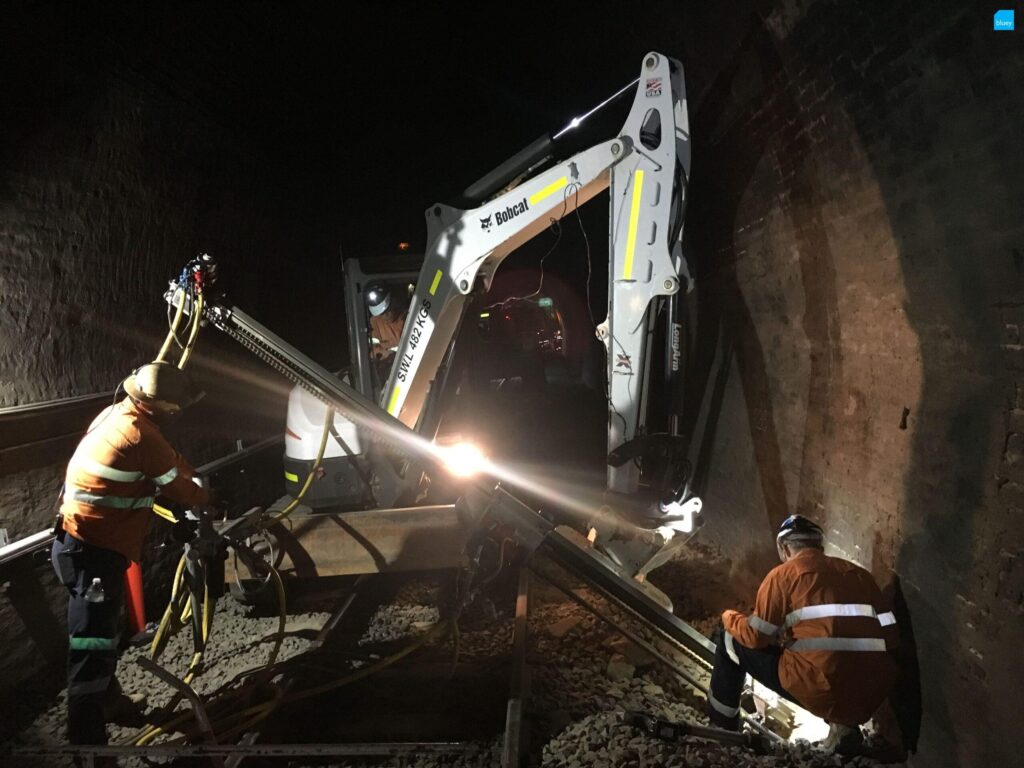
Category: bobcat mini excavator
[384,442]
[645,168]
[384,435]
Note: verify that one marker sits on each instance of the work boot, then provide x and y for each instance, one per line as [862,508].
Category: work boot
[843,740]
[718,720]
[125,709]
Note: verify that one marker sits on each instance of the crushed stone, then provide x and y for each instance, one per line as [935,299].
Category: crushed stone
[579,692]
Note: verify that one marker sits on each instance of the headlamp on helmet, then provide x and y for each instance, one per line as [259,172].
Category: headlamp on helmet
[378,299]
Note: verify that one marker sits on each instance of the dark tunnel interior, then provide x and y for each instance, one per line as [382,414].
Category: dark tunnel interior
[853,227]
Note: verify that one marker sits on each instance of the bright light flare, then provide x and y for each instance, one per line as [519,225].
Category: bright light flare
[463,459]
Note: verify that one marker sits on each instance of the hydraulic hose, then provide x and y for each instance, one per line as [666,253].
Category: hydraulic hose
[294,503]
[260,711]
[197,317]
[153,731]
[172,333]
[182,604]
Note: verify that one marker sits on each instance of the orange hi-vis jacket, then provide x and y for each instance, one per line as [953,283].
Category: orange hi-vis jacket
[119,467]
[387,332]
[828,613]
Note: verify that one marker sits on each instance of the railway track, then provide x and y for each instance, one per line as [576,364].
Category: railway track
[526,680]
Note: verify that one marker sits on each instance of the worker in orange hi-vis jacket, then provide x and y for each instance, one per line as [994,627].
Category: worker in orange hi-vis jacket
[120,465]
[387,321]
[819,636]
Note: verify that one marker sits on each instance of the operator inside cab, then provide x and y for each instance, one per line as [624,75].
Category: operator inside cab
[819,636]
[387,320]
[121,464]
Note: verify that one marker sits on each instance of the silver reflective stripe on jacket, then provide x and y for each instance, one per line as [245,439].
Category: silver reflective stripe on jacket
[762,626]
[838,644]
[93,467]
[730,649]
[887,619]
[828,611]
[166,477]
[118,502]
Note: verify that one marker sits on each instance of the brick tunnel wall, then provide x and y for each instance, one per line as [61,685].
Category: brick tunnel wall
[855,214]
[120,161]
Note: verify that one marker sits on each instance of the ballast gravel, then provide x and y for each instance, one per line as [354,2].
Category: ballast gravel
[584,677]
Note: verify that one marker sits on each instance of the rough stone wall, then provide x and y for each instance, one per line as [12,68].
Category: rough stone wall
[856,214]
[116,167]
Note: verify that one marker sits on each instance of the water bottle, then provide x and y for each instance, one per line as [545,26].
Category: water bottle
[95,594]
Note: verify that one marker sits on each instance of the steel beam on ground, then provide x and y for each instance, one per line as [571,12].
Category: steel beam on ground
[367,541]
[625,591]
[647,647]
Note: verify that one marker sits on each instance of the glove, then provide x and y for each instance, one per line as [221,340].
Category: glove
[184,530]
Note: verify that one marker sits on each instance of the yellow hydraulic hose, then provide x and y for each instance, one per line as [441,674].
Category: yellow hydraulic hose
[151,732]
[260,711]
[179,606]
[174,328]
[197,316]
[294,503]
[256,713]
[159,637]
[174,608]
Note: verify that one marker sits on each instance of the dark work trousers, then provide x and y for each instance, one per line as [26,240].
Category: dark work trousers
[93,632]
[733,662]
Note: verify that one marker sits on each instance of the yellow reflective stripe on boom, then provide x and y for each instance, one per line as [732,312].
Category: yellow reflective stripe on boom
[549,190]
[394,397]
[437,282]
[634,220]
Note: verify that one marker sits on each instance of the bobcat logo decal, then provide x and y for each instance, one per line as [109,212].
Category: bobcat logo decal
[485,224]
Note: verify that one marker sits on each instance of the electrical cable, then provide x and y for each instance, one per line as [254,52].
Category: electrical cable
[556,227]
[586,244]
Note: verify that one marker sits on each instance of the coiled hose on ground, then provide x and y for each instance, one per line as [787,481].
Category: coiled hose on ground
[227,719]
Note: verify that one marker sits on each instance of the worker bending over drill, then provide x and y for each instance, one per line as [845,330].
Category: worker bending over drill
[120,465]
[819,636]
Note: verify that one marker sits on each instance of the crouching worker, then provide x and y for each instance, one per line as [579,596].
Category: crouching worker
[120,465]
[819,636]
